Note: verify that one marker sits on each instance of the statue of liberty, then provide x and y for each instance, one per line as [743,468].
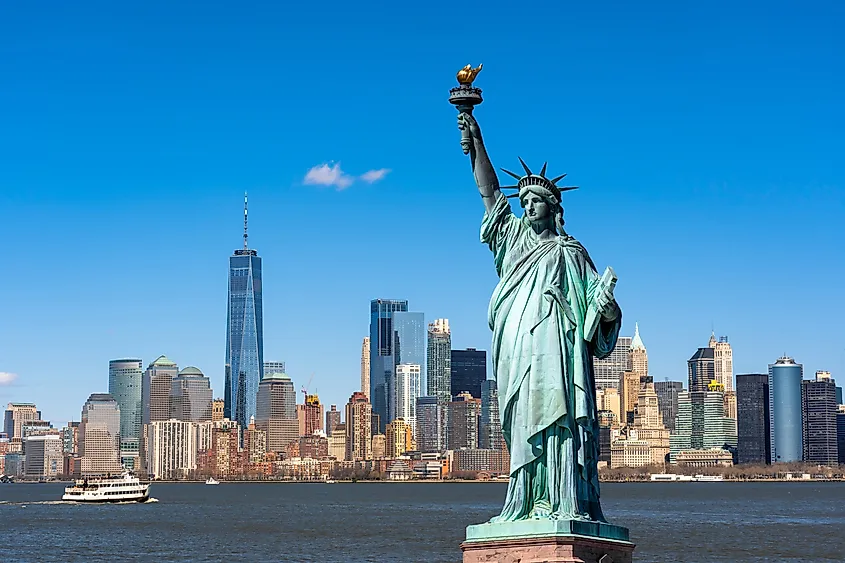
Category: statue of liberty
[550,314]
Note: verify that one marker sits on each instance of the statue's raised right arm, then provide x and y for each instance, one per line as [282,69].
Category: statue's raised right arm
[485,175]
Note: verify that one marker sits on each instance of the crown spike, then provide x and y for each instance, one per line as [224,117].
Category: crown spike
[513,174]
[525,166]
[561,177]
[567,188]
[543,170]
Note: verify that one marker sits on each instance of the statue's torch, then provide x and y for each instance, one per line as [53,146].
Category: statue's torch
[465,97]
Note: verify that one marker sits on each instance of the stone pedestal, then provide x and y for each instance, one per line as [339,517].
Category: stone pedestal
[547,541]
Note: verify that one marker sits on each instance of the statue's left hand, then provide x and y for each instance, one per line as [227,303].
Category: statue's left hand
[606,304]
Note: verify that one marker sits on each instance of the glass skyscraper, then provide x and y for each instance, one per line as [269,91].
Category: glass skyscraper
[244,333]
[752,408]
[382,357]
[409,339]
[125,384]
[785,378]
[469,371]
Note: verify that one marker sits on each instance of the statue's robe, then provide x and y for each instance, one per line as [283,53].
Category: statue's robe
[544,368]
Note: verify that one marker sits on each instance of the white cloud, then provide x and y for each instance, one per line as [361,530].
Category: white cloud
[325,175]
[375,175]
[7,378]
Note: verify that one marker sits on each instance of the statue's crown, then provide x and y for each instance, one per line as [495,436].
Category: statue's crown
[539,180]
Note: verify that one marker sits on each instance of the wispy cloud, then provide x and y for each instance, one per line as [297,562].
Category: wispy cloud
[375,175]
[7,378]
[325,175]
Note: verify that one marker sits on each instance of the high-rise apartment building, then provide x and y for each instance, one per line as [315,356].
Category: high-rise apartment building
[431,423]
[171,449]
[399,437]
[439,367]
[382,356]
[276,411]
[490,429]
[155,391]
[786,423]
[125,385]
[723,367]
[818,399]
[365,366]
[244,333]
[358,427]
[464,415]
[667,398]
[469,371]
[99,435]
[191,396]
[702,370]
[313,414]
[752,422]
[332,419]
[608,371]
[409,340]
[408,383]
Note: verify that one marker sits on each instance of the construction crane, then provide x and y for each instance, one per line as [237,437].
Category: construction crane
[305,389]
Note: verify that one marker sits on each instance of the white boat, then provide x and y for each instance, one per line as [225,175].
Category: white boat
[123,488]
[709,478]
[212,481]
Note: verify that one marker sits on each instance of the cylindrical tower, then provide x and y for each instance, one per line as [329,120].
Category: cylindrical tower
[785,410]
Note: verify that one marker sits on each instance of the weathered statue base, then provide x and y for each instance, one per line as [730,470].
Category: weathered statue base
[547,541]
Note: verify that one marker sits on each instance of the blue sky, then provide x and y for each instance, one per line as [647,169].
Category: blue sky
[707,139]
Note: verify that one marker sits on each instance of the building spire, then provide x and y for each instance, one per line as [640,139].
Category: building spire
[637,341]
[246,236]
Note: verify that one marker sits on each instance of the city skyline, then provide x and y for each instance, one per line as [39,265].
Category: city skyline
[675,147]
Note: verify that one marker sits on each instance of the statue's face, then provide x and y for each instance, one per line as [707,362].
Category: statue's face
[536,207]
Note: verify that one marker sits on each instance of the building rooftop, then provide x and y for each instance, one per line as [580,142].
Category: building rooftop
[191,370]
[163,361]
[276,376]
[637,342]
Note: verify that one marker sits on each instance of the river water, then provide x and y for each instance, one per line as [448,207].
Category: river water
[409,522]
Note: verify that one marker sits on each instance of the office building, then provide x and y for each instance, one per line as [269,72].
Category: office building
[382,358]
[702,370]
[701,423]
[818,398]
[786,423]
[191,396]
[648,423]
[667,398]
[631,382]
[244,333]
[378,446]
[16,415]
[490,425]
[156,388]
[125,385]
[464,415]
[273,367]
[609,401]
[723,370]
[43,456]
[217,409]
[276,411]
[637,355]
[99,435]
[840,434]
[608,371]
[337,442]
[365,366]
[752,398]
[469,371]
[359,435]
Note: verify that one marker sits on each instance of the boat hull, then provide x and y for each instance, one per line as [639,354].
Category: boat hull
[145,498]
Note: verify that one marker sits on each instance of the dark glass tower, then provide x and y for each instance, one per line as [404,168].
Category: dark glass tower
[702,369]
[382,354]
[469,371]
[244,333]
[752,413]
